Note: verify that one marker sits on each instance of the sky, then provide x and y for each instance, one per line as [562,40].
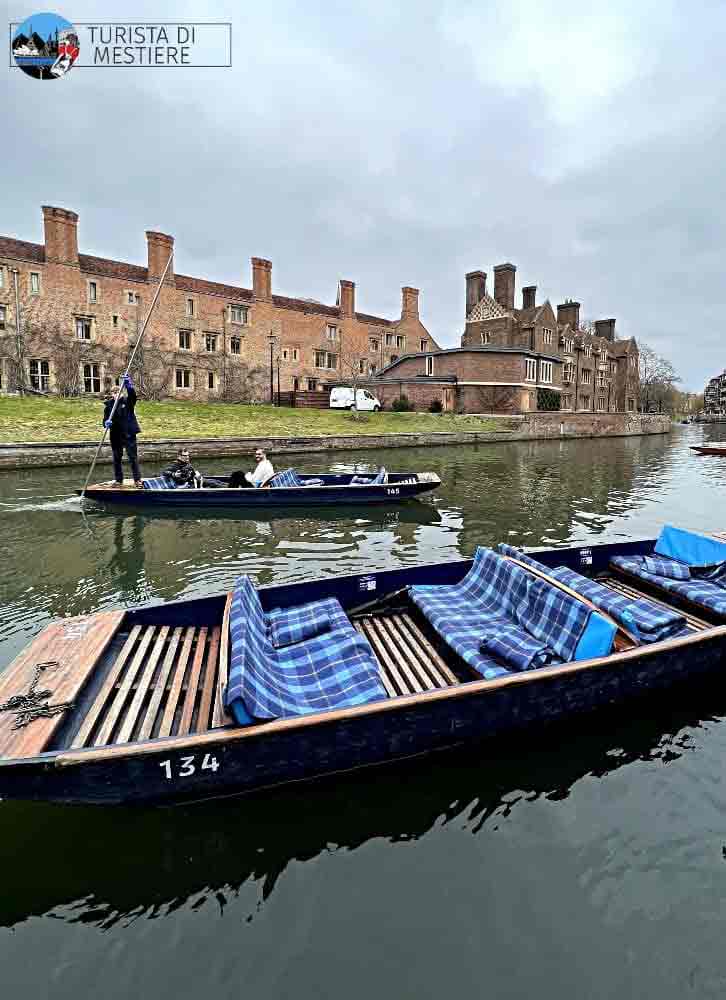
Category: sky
[406,144]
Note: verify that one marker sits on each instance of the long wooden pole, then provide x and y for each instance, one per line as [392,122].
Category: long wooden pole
[128,368]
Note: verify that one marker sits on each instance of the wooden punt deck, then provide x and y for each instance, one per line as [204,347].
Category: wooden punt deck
[162,682]
[407,661]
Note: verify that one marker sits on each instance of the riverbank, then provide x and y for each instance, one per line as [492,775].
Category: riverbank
[527,427]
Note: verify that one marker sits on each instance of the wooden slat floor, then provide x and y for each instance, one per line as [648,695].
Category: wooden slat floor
[407,662]
[161,683]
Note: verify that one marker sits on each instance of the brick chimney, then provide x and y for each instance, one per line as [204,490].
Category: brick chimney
[504,275]
[347,298]
[409,302]
[158,248]
[605,328]
[529,297]
[262,279]
[61,235]
[476,288]
[569,312]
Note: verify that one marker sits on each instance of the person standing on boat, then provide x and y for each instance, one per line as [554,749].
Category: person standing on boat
[123,428]
[263,472]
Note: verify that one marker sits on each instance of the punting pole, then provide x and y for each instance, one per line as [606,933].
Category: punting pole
[128,369]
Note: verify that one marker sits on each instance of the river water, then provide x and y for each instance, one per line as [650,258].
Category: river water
[589,861]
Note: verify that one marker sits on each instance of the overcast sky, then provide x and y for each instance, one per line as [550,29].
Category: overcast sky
[405,144]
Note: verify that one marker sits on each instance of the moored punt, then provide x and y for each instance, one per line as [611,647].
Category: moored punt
[713,448]
[286,489]
[193,699]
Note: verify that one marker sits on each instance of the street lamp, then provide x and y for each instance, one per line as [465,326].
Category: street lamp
[272,338]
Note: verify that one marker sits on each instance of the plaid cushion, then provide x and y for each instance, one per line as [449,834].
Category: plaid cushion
[645,620]
[464,636]
[666,567]
[158,483]
[382,477]
[703,592]
[289,625]
[335,670]
[517,649]
[287,478]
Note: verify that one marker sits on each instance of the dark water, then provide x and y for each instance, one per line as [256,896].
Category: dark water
[587,862]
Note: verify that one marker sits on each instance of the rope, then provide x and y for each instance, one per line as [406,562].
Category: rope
[29,707]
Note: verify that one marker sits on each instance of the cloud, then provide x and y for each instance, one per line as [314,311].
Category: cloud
[407,144]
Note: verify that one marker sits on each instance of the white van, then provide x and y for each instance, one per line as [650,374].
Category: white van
[341,398]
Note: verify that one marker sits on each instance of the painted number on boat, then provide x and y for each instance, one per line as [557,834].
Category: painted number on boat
[187,766]
[392,491]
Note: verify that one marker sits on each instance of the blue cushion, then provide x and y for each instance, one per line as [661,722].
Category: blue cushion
[288,477]
[689,547]
[666,567]
[708,595]
[158,483]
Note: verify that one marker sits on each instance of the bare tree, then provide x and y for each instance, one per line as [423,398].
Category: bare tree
[657,380]
[243,384]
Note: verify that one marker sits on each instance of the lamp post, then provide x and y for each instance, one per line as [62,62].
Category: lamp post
[278,380]
[272,338]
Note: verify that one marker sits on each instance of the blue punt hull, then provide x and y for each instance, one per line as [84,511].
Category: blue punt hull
[230,760]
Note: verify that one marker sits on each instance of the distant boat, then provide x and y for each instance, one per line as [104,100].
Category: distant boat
[712,448]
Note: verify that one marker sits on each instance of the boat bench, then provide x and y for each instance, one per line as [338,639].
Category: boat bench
[499,619]
[289,477]
[684,564]
[331,666]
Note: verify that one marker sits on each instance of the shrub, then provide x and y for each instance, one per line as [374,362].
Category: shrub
[436,406]
[402,404]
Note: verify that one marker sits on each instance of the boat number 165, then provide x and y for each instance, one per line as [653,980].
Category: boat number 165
[187,766]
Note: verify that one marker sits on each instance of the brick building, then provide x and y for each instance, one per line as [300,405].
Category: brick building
[515,360]
[714,395]
[81,316]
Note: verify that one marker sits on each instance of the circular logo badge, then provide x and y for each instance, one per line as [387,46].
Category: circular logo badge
[45,46]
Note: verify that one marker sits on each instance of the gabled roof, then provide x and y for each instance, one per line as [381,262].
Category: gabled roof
[622,347]
[486,308]
[21,250]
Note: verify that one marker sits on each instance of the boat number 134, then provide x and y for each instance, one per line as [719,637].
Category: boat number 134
[188,766]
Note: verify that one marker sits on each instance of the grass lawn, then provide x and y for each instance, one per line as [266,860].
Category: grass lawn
[34,419]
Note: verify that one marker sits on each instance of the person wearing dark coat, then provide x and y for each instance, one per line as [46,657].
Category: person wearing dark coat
[123,428]
[181,471]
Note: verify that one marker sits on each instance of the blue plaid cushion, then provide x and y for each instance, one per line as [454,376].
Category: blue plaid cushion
[287,478]
[704,592]
[464,636]
[666,567]
[517,649]
[289,625]
[158,483]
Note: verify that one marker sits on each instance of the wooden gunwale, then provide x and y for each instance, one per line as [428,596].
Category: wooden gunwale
[402,702]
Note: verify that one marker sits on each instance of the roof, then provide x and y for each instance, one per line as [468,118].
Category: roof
[106,268]
[486,308]
[484,349]
[621,347]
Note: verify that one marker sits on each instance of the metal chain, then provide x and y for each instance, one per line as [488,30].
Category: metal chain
[29,707]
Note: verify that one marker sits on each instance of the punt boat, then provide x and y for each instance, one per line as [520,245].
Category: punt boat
[226,694]
[712,448]
[286,489]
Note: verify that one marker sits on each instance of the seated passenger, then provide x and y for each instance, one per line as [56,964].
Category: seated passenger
[181,471]
[254,480]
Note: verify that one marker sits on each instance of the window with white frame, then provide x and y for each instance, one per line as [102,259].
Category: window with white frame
[92,291]
[183,378]
[568,373]
[331,331]
[389,340]
[211,380]
[430,364]
[130,298]
[34,282]
[531,372]
[423,345]
[585,400]
[602,380]
[3,317]
[190,307]
[569,345]
[324,359]
[374,345]
[588,350]
[566,401]
[400,342]
[546,335]
[39,371]
[601,402]
[312,384]
[633,361]
[91,378]
[362,366]
[485,337]
[83,328]
[631,405]
[2,277]
[210,342]
[545,371]
[185,340]
[235,345]
[238,314]
[586,376]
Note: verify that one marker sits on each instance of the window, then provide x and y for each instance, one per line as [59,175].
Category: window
[130,298]
[568,345]
[485,337]
[183,378]
[588,350]
[3,317]
[312,385]
[372,369]
[91,378]
[238,314]
[631,405]
[324,359]
[362,364]
[389,340]
[633,361]
[546,335]
[601,381]
[601,402]
[2,277]
[40,375]
[545,371]
[34,282]
[430,364]
[531,374]
[295,384]
[284,354]
[568,373]
[210,342]
[185,340]
[235,344]
[566,403]
[585,402]
[83,328]
[423,345]
[613,367]
[114,320]
[296,354]
[586,376]
[210,380]
[190,307]
[92,291]
[373,344]
[400,342]
[331,331]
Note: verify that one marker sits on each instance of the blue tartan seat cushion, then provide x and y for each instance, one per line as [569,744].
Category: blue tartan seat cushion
[666,567]
[288,477]
[290,625]
[334,670]
[158,483]
[464,636]
[704,592]
[646,621]
[514,647]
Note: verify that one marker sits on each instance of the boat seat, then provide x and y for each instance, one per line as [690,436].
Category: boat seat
[158,483]
[289,477]
[336,669]
[290,625]
[499,615]
[648,622]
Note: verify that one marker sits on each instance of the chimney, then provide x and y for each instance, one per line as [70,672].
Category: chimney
[605,328]
[262,279]
[569,312]
[158,248]
[476,288]
[504,285]
[346,302]
[529,296]
[61,235]
[409,302]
